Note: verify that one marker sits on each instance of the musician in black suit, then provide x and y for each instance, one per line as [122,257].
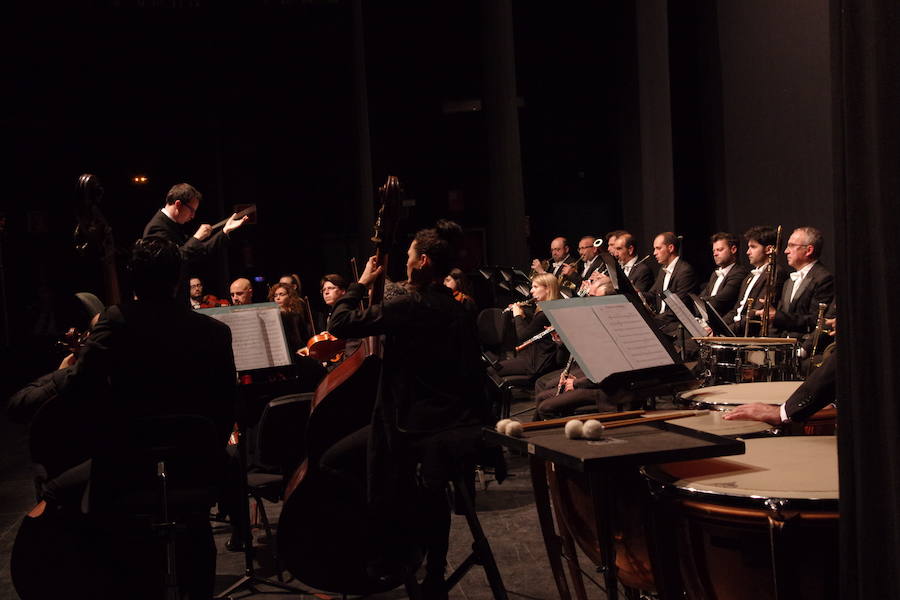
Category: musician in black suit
[559,256]
[182,204]
[814,394]
[722,289]
[761,241]
[625,251]
[675,275]
[589,262]
[809,285]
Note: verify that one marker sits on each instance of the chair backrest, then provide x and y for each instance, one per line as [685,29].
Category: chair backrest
[495,329]
[125,474]
[281,435]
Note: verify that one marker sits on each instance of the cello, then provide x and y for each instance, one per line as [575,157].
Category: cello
[319,531]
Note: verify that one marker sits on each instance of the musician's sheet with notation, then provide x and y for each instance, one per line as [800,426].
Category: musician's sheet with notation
[607,335]
[257,335]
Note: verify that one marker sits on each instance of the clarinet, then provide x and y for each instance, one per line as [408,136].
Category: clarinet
[565,375]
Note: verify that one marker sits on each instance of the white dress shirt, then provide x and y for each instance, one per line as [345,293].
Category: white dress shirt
[720,277]
[668,270]
[797,277]
[756,274]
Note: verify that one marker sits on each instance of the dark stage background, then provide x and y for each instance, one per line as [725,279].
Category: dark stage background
[521,120]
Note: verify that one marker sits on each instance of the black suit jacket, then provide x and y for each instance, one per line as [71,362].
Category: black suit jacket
[797,317]
[577,277]
[161,226]
[727,294]
[641,277]
[154,359]
[758,294]
[682,283]
[556,272]
[814,394]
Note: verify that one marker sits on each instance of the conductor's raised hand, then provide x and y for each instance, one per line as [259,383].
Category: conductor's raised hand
[233,223]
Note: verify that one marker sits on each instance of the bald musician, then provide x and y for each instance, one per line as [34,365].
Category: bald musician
[589,262]
[559,256]
[241,291]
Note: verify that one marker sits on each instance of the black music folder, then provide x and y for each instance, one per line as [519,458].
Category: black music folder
[617,346]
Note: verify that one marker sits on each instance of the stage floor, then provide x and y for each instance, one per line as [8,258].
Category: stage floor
[506,512]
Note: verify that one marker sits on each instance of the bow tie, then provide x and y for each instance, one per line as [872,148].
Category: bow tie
[720,272]
[796,276]
[758,270]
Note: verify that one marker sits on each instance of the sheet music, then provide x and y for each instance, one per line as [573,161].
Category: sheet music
[638,344]
[257,335]
[607,335]
[683,314]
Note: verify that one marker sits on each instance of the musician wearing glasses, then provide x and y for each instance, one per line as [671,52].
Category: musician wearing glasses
[182,204]
[625,251]
[809,285]
[578,272]
[722,289]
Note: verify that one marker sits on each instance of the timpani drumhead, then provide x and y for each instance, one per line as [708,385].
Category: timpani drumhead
[723,396]
[712,422]
[793,467]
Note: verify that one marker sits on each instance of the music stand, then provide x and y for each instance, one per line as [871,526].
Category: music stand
[712,317]
[249,579]
[617,346]
[260,349]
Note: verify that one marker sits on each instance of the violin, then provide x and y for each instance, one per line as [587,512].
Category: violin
[325,347]
[322,346]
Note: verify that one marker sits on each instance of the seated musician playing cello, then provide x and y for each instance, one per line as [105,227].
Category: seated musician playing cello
[430,410]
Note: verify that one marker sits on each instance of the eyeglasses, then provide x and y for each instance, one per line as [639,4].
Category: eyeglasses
[797,245]
[189,207]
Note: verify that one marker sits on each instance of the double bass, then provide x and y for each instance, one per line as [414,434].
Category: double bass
[321,529]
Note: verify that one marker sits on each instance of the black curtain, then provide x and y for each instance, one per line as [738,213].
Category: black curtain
[866,63]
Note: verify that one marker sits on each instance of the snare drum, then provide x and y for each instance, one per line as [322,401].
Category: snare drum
[760,525]
[742,360]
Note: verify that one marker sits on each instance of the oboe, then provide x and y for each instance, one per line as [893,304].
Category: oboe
[565,375]
[535,338]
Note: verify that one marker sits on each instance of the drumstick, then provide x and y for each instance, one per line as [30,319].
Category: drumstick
[562,421]
[247,211]
[612,419]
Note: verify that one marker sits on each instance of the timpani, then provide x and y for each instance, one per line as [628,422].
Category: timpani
[760,525]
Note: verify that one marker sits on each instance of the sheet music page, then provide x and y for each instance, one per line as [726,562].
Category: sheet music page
[607,335]
[257,335]
[639,345]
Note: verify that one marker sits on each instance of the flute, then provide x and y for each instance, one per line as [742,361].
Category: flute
[535,338]
[522,303]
